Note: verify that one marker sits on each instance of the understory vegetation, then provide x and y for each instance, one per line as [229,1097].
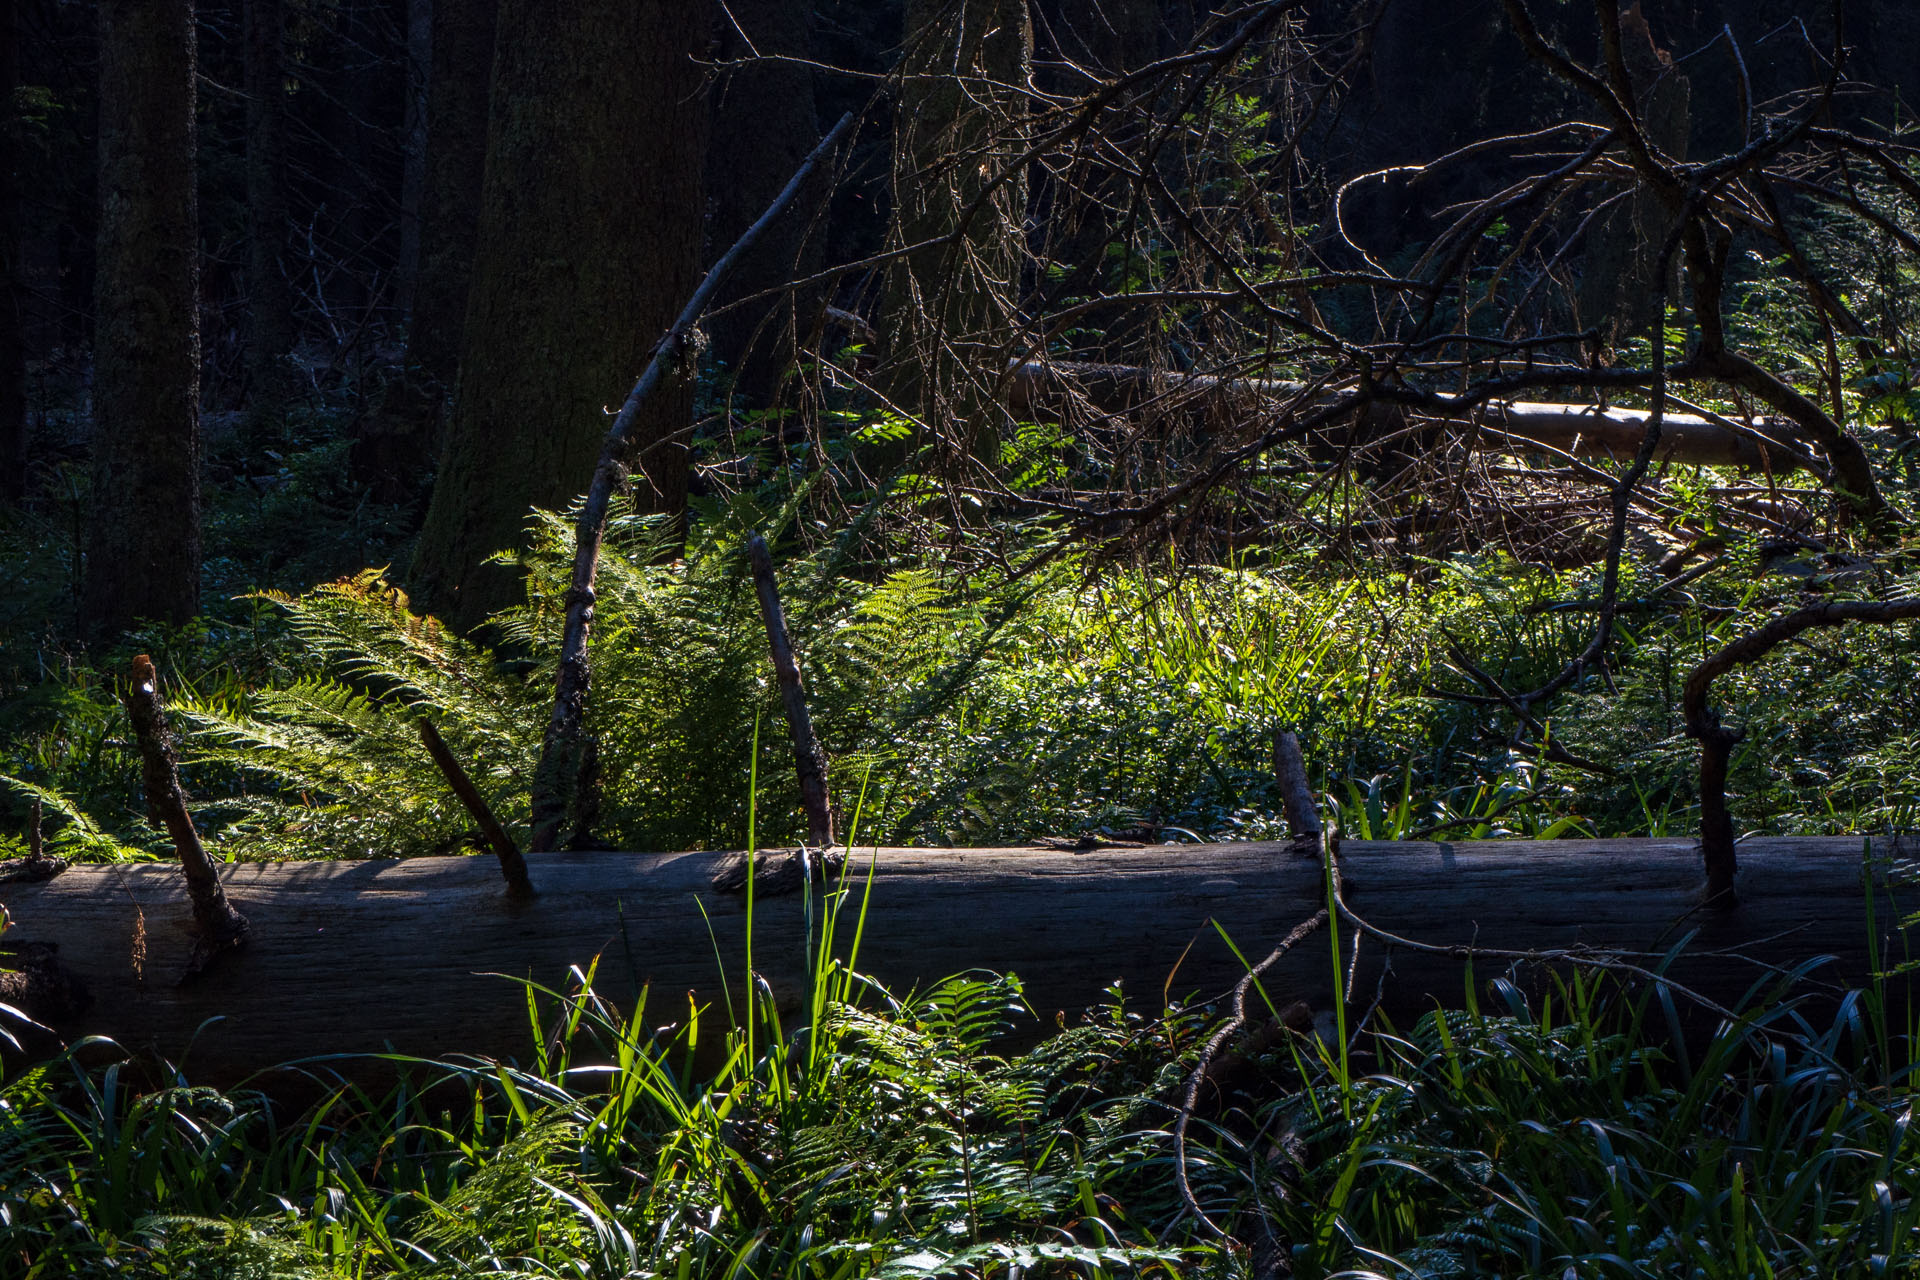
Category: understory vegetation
[1164,428]
[1588,1134]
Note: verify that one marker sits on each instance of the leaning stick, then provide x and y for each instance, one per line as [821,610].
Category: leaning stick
[219,923]
[565,743]
[512,865]
[808,759]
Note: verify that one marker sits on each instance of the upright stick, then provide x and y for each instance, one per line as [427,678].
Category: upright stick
[565,747]
[1296,794]
[219,923]
[808,759]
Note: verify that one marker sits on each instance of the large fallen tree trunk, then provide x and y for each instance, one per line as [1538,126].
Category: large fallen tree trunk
[1511,427]
[359,956]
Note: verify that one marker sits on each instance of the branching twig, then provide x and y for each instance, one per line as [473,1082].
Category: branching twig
[1717,740]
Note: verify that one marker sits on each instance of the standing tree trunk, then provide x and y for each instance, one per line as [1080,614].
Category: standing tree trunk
[413,164]
[13,343]
[963,83]
[269,293]
[457,88]
[143,553]
[395,446]
[588,242]
[763,127]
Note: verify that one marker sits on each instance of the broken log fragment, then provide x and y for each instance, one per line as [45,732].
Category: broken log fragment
[218,925]
[364,954]
[1515,427]
[37,865]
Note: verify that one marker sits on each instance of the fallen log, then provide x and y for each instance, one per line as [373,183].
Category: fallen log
[365,955]
[1511,427]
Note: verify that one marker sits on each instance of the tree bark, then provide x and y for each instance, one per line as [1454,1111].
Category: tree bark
[413,144]
[13,338]
[357,956]
[143,553]
[269,292]
[395,446]
[457,92]
[763,127]
[588,241]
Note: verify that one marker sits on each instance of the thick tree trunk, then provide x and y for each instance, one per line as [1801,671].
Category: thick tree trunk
[395,445]
[413,143]
[457,89]
[269,292]
[13,338]
[143,553]
[359,956]
[588,243]
[763,127]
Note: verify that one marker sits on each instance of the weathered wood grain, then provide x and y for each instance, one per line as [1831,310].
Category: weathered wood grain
[365,955]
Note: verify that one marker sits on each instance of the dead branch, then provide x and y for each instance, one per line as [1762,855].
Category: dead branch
[512,865]
[1296,794]
[1717,740]
[218,924]
[566,749]
[808,759]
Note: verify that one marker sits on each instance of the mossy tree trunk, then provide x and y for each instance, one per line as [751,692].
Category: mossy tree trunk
[588,243]
[963,89]
[269,292]
[143,552]
[396,445]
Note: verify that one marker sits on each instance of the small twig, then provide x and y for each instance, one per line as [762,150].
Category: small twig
[219,923]
[512,865]
[808,759]
[1238,1019]
[566,746]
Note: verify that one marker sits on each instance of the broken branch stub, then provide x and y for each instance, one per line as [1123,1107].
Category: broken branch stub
[512,865]
[808,759]
[219,924]
[1296,794]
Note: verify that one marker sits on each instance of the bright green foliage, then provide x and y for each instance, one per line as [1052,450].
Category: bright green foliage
[894,1145]
[892,1138]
